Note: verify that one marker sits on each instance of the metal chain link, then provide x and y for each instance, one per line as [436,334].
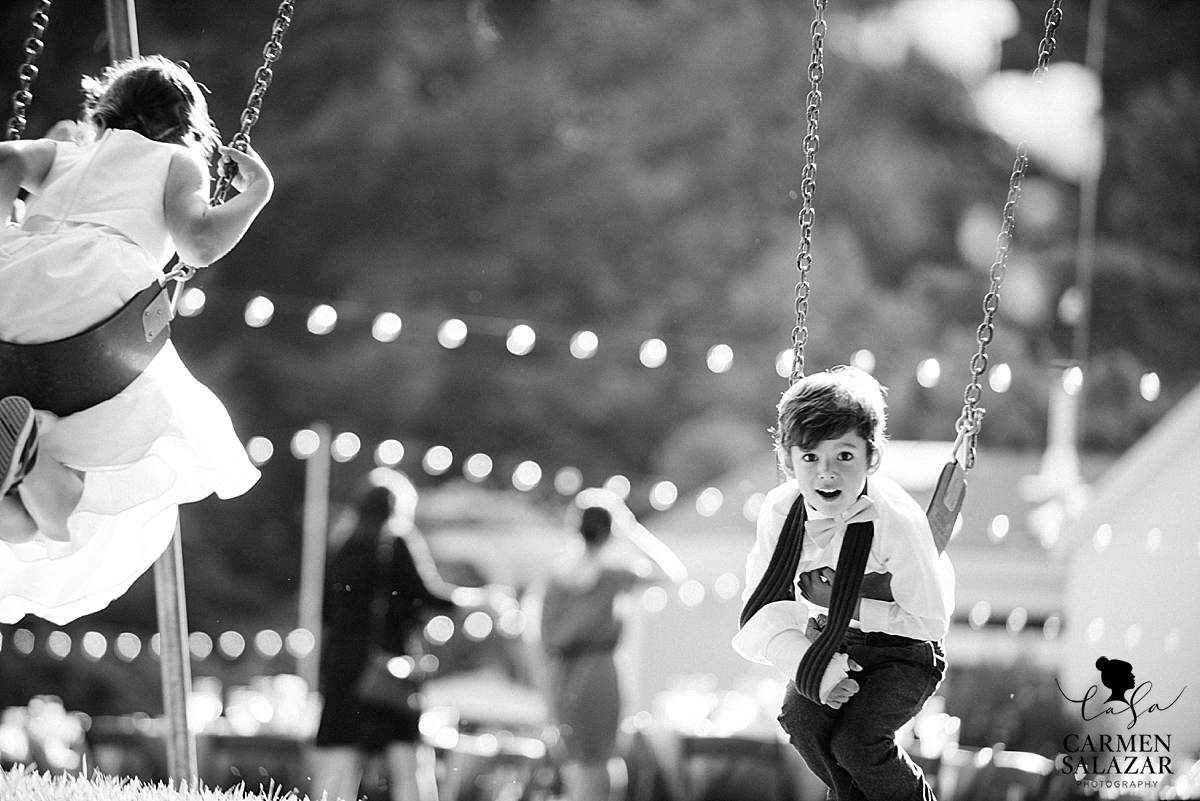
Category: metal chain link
[971,419]
[808,189]
[1048,45]
[28,70]
[241,140]
[262,79]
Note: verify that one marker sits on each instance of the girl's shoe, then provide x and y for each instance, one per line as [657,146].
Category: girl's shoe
[18,441]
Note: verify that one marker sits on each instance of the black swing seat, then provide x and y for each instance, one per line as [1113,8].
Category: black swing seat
[69,375]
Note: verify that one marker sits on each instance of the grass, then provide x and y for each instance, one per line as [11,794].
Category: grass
[22,784]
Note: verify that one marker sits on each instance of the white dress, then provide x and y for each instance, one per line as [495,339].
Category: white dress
[92,237]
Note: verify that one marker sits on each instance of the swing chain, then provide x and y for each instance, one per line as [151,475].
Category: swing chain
[28,70]
[262,79]
[1048,44]
[183,272]
[971,419]
[808,189]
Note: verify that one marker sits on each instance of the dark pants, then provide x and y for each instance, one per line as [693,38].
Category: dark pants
[853,749]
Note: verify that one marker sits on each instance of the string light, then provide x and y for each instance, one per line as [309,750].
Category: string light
[389,453]
[268,643]
[568,481]
[345,446]
[618,485]
[1150,387]
[663,495]
[192,302]
[322,319]
[477,467]
[1000,378]
[864,360]
[452,333]
[437,460]
[259,311]
[720,358]
[653,353]
[783,362]
[300,643]
[305,443]
[527,475]
[521,339]
[584,344]
[386,327]
[1072,380]
[929,373]
[200,644]
[709,501]
[260,450]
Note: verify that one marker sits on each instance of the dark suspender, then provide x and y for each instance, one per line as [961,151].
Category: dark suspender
[778,584]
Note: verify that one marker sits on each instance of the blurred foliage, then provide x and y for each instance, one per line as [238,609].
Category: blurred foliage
[630,166]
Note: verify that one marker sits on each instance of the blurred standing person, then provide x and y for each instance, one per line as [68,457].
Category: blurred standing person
[350,730]
[579,616]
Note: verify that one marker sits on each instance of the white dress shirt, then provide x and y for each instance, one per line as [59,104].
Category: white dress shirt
[922,580]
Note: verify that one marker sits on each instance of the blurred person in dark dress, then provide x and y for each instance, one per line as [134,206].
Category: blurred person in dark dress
[350,730]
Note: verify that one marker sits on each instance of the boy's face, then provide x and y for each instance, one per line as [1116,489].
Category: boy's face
[833,473]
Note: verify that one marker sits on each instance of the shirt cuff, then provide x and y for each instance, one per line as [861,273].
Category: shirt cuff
[778,616]
[785,650]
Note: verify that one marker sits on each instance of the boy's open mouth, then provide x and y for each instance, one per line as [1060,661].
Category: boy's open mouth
[829,495]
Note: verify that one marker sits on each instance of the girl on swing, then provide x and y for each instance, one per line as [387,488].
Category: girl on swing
[105,212]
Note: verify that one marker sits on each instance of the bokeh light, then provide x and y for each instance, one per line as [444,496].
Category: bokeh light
[1000,378]
[584,344]
[618,485]
[305,443]
[709,501]
[452,333]
[192,302]
[719,358]
[653,353]
[259,311]
[929,373]
[386,327]
[527,475]
[322,319]
[521,339]
[1150,387]
[663,495]
[437,460]
[477,467]
[260,450]
[345,446]
[389,453]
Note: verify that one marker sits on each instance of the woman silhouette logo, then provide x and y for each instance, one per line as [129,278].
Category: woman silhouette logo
[1117,676]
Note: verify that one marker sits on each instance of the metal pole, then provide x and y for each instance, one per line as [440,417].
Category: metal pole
[1089,192]
[175,658]
[122,29]
[312,555]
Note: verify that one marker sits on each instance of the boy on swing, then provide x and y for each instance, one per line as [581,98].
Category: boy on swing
[863,652]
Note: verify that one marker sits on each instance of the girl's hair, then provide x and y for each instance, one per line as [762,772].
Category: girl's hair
[595,524]
[154,97]
[827,405]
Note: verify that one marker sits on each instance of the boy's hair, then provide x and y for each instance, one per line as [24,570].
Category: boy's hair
[154,97]
[827,405]
[595,525]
